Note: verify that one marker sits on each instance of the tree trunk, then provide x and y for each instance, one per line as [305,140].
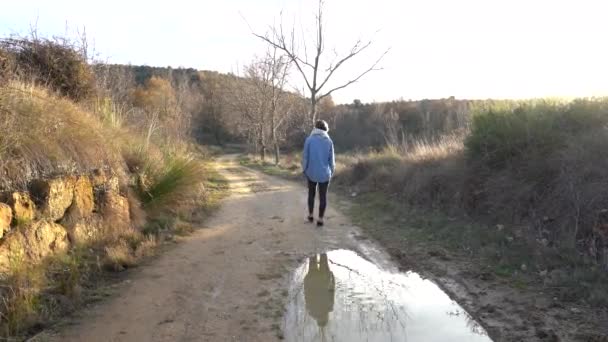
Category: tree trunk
[218,136]
[262,144]
[277,153]
[313,107]
[276,147]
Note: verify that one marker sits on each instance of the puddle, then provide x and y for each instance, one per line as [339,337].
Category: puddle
[339,296]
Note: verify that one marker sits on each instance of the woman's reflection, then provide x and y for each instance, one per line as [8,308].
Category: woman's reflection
[319,286]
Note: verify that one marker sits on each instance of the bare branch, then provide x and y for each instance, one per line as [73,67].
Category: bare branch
[288,52]
[370,69]
[355,50]
[318,77]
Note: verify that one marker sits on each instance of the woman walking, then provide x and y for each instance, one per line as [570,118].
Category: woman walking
[318,165]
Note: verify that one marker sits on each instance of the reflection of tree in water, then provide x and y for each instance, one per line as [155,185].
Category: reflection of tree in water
[473,325]
[377,312]
[340,297]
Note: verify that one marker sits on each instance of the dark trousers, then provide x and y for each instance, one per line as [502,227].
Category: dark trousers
[312,191]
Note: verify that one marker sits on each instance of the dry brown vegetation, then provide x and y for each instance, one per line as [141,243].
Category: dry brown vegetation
[43,135]
[532,175]
[56,123]
[58,64]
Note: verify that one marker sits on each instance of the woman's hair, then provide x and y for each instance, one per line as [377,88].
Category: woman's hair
[322,125]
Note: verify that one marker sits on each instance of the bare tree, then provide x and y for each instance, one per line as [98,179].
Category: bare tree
[263,103]
[250,103]
[278,65]
[316,77]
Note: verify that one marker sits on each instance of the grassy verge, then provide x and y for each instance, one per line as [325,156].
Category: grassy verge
[488,252]
[288,169]
[217,189]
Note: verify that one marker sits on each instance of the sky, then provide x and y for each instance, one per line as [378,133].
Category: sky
[438,48]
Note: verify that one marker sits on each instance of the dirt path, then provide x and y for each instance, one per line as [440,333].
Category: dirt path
[223,283]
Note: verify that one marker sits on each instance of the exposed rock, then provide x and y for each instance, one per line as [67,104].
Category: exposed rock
[24,209]
[83,203]
[115,207]
[84,231]
[104,180]
[32,244]
[6,216]
[53,196]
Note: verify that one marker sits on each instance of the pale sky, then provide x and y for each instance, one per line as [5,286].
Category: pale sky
[439,48]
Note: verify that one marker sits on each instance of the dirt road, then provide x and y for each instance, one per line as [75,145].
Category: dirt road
[225,282]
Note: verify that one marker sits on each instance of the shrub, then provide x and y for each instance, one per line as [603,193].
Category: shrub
[56,64]
[180,178]
[503,136]
[539,165]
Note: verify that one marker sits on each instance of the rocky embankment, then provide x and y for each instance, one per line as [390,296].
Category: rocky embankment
[55,214]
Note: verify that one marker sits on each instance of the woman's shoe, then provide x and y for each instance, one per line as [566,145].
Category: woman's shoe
[310,218]
[320,223]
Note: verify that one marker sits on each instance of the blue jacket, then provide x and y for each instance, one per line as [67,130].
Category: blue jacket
[318,161]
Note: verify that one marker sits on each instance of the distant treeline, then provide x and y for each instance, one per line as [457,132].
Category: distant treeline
[354,126]
[374,125]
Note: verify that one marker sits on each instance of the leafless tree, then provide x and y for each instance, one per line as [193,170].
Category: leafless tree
[263,103]
[310,67]
[275,67]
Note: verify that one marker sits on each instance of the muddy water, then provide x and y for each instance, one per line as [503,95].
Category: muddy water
[339,296]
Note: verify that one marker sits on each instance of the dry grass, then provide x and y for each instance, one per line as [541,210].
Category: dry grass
[137,214]
[42,135]
[21,299]
[422,173]
[118,256]
[289,166]
[421,151]
[146,247]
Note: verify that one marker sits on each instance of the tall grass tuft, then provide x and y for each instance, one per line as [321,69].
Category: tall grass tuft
[110,113]
[180,177]
[20,300]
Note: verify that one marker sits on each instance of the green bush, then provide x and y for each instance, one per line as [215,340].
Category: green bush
[503,136]
[180,178]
